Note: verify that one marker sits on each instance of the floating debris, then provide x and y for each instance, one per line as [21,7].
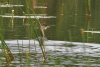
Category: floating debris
[93,31]
[39,7]
[37,14]
[28,16]
[9,5]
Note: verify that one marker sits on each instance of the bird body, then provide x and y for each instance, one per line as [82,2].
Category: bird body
[43,27]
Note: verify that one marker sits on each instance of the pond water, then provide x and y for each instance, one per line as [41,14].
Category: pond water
[59,53]
[73,36]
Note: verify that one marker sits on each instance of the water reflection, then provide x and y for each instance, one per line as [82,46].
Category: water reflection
[59,49]
[66,19]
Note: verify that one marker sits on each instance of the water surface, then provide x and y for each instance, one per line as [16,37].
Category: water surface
[67,44]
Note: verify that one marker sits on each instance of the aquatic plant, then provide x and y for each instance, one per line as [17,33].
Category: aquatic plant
[35,31]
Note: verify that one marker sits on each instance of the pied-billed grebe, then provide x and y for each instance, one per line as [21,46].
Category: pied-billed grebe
[43,27]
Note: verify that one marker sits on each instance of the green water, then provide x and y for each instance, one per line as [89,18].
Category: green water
[71,15]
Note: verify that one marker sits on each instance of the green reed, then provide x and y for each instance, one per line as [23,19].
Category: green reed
[88,17]
[70,37]
[33,27]
[89,4]
[6,51]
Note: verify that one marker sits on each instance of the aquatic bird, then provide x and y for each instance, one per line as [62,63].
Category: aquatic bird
[43,27]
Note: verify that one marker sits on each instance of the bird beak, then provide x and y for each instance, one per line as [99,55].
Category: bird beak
[47,27]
